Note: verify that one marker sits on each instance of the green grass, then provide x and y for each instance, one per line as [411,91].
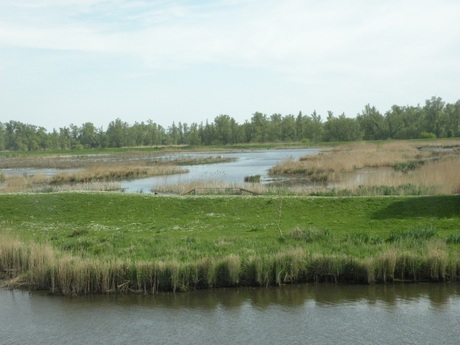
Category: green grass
[203,241]
[145,226]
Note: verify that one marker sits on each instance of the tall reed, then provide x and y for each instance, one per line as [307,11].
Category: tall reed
[41,267]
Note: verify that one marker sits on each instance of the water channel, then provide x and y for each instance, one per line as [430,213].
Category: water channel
[301,314]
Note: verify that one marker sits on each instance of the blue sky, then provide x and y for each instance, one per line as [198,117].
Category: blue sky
[77,61]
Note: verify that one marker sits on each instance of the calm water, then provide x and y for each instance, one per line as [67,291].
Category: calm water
[306,314]
[247,163]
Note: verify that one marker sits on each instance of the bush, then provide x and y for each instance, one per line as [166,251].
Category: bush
[427,135]
[253,178]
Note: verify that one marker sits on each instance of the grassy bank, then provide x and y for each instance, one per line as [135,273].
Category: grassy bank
[80,243]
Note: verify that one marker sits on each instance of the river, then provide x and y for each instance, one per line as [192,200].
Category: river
[300,314]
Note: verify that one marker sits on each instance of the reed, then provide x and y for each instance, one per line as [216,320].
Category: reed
[375,168]
[227,271]
[384,266]
[40,267]
[19,183]
[114,173]
[290,266]
[259,271]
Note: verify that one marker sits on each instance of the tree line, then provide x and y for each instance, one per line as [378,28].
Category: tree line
[435,119]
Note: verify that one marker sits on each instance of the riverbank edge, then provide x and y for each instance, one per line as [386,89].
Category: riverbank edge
[39,266]
[42,268]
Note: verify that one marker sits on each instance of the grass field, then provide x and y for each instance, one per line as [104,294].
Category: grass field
[81,243]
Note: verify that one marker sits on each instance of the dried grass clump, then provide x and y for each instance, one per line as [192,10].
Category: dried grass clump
[109,173]
[361,167]
[21,183]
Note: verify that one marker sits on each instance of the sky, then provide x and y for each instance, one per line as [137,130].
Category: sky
[68,62]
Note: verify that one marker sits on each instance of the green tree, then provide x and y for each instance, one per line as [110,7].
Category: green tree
[289,128]
[223,130]
[373,124]
[53,138]
[452,115]
[342,128]
[433,116]
[275,128]
[2,136]
[260,126]
[404,122]
[193,137]
[117,133]
[88,136]
[310,127]
[15,136]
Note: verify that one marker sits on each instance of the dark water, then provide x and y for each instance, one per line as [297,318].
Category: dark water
[247,163]
[306,314]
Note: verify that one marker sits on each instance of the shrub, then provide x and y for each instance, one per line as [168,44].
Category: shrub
[253,178]
[427,135]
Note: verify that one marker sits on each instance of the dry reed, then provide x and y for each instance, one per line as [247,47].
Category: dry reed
[115,173]
[432,168]
[20,183]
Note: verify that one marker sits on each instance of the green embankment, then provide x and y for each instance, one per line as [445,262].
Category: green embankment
[83,243]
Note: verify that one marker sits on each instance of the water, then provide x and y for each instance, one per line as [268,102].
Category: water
[247,163]
[304,314]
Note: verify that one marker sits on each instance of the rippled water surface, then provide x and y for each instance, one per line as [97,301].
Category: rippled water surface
[305,314]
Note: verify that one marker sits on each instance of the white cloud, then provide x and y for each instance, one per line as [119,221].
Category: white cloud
[353,52]
[256,33]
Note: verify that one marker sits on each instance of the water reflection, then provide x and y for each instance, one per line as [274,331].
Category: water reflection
[291,296]
[311,313]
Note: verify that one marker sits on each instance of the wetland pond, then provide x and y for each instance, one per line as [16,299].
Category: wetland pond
[298,314]
[241,165]
[245,163]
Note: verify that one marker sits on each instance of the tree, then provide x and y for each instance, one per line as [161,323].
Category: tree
[193,137]
[260,126]
[117,133]
[433,116]
[342,128]
[275,130]
[2,137]
[310,127]
[372,123]
[404,122]
[289,128]
[223,130]
[54,140]
[452,115]
[88,136]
